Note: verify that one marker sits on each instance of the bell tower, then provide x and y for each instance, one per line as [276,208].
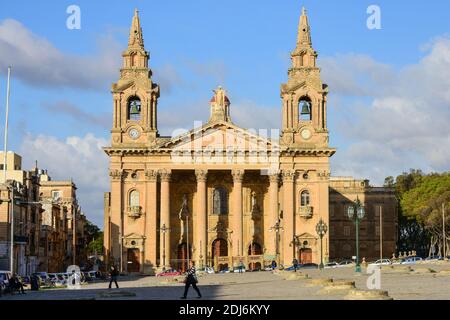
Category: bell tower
[304,96]
[135,96]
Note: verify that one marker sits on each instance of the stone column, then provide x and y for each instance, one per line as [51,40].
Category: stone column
[288,216]
[116,232]
[273,213]
[151,181]
[201,224]
[165,218]
[238,177]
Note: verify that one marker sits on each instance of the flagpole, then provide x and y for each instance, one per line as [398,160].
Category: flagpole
[5,145]
[5,150]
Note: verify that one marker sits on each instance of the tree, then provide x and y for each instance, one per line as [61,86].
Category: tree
[424,202]
[420,199]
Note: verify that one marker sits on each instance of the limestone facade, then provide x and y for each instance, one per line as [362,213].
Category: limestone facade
[218,194]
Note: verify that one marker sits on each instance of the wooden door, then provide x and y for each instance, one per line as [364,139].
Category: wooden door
[133,264]
[220,249]
[305,256]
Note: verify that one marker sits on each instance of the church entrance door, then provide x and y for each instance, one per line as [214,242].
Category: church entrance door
[220,249]
[182,257]
[133,264]
[305,256]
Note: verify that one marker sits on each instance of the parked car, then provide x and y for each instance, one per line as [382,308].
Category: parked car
[411,260]
[291,268]
[398,261]
[434,258]
[236,270]
[26,280]
[4,279]
[225,270]
[43,278]
[381,262]
[169,272]
[346,263]
[209,270]
[332,264]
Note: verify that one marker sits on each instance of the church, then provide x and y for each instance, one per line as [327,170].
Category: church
[222,195]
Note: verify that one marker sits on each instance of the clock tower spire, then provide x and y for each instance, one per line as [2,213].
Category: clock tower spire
[135,95]
[304,95]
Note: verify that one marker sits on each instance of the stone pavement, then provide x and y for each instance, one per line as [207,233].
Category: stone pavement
[420,281]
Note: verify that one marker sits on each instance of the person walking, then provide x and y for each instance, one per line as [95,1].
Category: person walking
[295,263]
[113,275]
[191,279]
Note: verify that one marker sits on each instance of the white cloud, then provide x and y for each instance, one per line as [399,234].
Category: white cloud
[406,123]
[77,158]
[38,62]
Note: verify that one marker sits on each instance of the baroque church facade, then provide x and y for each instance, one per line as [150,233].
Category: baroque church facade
[222,195]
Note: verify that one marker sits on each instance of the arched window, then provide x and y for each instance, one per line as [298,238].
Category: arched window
[134,108]
[134,199]
[305,109]
[304,198]
[220,201]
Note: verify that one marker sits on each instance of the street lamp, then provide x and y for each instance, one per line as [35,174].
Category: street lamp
[321,229]
[277,227]
[164,229]
[356,212]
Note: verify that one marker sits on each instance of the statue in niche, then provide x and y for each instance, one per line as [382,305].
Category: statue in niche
[184,219]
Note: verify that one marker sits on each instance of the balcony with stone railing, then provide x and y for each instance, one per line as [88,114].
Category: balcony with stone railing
[134,212]
[305,212]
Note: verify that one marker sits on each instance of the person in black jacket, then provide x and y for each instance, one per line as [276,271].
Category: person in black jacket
[191,279]
[113,274]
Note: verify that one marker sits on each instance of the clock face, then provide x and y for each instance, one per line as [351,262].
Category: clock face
[134,133]
[306,134]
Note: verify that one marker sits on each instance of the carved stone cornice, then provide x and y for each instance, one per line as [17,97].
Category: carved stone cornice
[323,175]
[288,175]
[201,175]
[116,175]
[151,175]
[166,175]
[238,175]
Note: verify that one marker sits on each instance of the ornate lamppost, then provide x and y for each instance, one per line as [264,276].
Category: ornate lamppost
[321,229]
[277,227]
[164,230]
[356,212]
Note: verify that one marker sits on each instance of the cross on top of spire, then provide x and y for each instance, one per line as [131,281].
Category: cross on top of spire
[136,39]
[304,31]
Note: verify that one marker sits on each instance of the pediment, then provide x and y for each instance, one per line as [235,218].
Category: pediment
[133,236]
[222,136]
[306,235]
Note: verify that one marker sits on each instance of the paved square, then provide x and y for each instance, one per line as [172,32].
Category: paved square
[420,281]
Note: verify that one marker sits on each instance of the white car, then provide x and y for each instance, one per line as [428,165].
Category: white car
[346,263]
[381,262]
[209,270]
[411,260]
[330,265]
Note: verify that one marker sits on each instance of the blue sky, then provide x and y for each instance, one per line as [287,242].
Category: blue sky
[388,99]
